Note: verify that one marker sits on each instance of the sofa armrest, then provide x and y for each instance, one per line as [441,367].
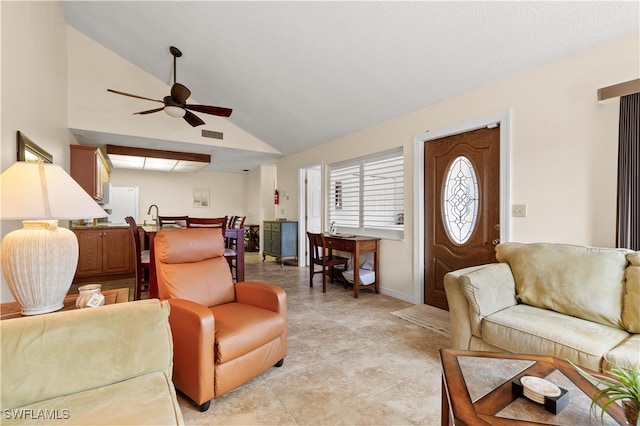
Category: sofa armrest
[458,308]
[193,329]
[486,289]
[263,295]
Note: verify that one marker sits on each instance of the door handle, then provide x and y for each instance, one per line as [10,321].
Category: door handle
[495,242]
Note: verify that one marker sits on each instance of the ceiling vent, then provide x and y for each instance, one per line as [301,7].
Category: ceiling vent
[124,157]
[211,134]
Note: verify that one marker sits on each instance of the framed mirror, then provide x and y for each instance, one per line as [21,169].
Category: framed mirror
[29,151]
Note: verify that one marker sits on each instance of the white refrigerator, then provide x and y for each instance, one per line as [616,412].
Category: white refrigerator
[123,202]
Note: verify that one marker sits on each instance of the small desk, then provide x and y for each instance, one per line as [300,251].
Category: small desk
[11,310]
[150,232]
[476,390]
[357,245]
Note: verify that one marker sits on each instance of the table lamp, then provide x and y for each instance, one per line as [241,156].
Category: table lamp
[40,260]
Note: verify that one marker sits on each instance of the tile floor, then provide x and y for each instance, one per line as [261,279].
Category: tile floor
[349,362]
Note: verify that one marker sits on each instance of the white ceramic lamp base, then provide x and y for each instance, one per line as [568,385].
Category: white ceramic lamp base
[39,262]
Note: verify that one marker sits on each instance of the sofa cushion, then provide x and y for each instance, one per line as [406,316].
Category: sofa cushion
[532,330]
[631,306]
[487,290]
[89,348]
[242,328]
[626,354]
[149,399]
[584,282]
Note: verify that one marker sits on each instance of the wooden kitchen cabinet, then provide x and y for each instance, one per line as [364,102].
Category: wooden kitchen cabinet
[90,169]
[280,240]
[104,251]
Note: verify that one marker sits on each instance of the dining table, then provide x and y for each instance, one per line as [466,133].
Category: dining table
[150,232]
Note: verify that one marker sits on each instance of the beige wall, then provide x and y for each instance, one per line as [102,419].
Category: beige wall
[173,192]
[563,153]
[33,86]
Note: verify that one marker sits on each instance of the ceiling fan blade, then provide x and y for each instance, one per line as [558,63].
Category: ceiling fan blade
[150,111]
[193,119]
[213,110]
[133,96]
[180,93]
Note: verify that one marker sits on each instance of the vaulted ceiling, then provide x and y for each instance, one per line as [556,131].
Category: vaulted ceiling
[298,74]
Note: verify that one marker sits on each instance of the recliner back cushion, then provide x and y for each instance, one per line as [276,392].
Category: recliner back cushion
[190,265]
[584,282]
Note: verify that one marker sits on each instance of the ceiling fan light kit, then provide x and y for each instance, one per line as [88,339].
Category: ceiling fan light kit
[174,111]
[175,105]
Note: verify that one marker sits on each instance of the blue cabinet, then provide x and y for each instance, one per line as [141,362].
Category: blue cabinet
[280,240]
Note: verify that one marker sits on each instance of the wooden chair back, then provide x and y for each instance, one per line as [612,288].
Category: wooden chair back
[320,255]
[208,222]
[180,221]
[142,260]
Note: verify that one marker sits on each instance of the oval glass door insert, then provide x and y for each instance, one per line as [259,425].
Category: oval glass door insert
[460,200]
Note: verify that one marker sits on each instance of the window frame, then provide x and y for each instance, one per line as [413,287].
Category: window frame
[338,201]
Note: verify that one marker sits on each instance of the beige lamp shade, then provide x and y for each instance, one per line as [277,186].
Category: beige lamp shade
[44,191]
[39,260]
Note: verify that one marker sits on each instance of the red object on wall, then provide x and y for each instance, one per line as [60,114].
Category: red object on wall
[276,197]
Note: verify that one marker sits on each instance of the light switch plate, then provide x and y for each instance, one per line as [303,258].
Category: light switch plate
[519,210]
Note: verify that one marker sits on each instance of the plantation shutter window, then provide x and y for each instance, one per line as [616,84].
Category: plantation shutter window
[366,195]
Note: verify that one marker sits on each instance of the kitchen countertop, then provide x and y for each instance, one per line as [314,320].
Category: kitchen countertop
[98,225]
[156,228]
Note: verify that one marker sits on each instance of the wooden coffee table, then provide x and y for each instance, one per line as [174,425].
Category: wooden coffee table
[476,390]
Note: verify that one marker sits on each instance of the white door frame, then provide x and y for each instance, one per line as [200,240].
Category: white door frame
[504,119]
[302,204]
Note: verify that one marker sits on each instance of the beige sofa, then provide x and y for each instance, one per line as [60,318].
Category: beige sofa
[108,365]
[572,302]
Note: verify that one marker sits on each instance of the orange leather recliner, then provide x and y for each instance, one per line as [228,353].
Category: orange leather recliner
[224,334]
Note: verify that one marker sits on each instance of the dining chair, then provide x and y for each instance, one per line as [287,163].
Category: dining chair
[320,255]
[208,222]
[180,221]
[231,244]
[142,260]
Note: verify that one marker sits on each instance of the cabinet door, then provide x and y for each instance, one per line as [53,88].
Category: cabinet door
[266,237]
[116,251]
[276,243]
[90,253]
[289,239]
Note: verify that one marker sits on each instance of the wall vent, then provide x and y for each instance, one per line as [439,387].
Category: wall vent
[211,134]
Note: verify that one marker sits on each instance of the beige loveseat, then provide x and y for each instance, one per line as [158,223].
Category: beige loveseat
[108,365]
[572,302]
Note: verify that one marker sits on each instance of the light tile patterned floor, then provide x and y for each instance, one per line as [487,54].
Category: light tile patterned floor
[349,362]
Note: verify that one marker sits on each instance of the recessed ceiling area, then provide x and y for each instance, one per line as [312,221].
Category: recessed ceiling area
[122,157]
[222,159]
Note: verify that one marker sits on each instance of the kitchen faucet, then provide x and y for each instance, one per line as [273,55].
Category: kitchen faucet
[157,218]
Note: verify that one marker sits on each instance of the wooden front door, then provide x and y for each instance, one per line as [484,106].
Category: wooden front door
[462,205]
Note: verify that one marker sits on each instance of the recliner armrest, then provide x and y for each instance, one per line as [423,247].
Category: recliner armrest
[193,330]
[263,295]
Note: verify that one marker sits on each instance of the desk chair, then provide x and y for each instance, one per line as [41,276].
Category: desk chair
[180,221]
[142,261]
[320,255]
